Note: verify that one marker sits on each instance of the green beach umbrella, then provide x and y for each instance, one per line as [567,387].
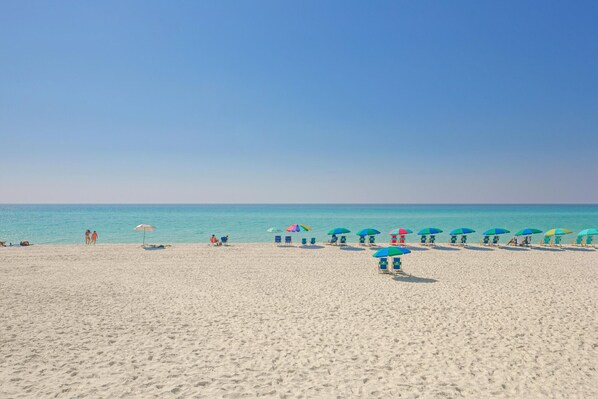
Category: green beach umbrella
[557,232]
[390,251]
[339,230]
[462,230]
[367,232]
[496,231]
[527,232]
[274,230]
[429,231]
[588,232]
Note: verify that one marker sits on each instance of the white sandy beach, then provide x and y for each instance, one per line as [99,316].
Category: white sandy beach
[259,320]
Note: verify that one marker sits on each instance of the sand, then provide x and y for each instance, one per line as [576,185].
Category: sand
[254,320]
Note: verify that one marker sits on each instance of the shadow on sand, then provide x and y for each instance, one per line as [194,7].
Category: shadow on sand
[580,249]
[350,248]
[311,247]
[476,248]
[515,248]
[414,248]
[407,278]
[442,248]
[549,249]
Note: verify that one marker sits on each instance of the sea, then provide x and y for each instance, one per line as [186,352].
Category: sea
[190,223]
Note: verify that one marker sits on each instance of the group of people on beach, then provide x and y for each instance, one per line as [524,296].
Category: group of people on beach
[91,238]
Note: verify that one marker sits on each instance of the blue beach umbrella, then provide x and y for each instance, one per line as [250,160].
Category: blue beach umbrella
[390,251]
[527,232]
[367,232]
[495,232]
[429,231]
[462,230]
[339,230]
[588,232]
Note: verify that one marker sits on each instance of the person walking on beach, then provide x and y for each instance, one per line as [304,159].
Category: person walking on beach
[94,237]
[87,238]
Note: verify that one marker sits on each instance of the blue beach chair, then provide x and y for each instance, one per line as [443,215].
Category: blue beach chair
[224,240]
[546,240]
[288,240]
[557,240]
[422,240]
[313,241]
[383,265]
[495,240]
[372,240]
[396,265]
[432,240]
[486,240]
[361,240]
[304,241]
[343,240]
[589,241]
[453,240]
[463,239]
[277,239]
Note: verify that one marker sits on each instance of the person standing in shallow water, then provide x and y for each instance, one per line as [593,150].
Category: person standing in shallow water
[94,237]
[87,238]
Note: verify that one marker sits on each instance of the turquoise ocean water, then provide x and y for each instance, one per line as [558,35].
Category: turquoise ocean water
[66,224]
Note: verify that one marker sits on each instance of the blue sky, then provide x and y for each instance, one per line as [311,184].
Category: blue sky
[302,101]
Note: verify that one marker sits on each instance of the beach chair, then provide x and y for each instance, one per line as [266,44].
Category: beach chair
[557,241]
[393,240]
[453,240]
[224,240]
[463,239]
[277,239]
[432,240]
[546,241]
[313,241]
[304,241]
[578,242]
[396,265]
[422,240]
[383,265]
[288,240]
[401,240]
[495,240]
[372,240]
[343,240]
[589,241]
[486,240]
[333,240]
[361,240]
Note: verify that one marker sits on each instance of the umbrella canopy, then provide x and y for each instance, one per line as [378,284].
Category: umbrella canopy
[401,231]
[495,232]
[390,251]
[144,228]
[368,232]
[557,232]
[588,232]
[429,231]
[274,230]
[462,230]
[294,228]
[339,230]
[527,232]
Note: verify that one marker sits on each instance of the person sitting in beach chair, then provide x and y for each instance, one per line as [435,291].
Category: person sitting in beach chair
[422,240]
[546,241]
[288,240]
[343,240]
[463,239]
[277,240]
[393,240]
[383,265]
[304,241]
[402,240]
[486,240]
[495,240]
[313,241]
[453,240]
[396,265]
[512,241]
[215,241]
[2,243]
[372,240]
[361,240]
[432,240]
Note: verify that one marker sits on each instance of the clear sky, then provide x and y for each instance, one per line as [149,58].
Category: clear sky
[298,101]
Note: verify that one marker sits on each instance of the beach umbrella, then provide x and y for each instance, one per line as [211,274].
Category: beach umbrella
[588,232]
[401,231]
[527,232]
[495,231]
[368,232]
[390,251]
[462,230]
[294,228]
[274,230]
[557,232]
[429,231]
[339,230]
[144,228]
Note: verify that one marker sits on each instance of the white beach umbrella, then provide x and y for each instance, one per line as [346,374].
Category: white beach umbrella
[144,228]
